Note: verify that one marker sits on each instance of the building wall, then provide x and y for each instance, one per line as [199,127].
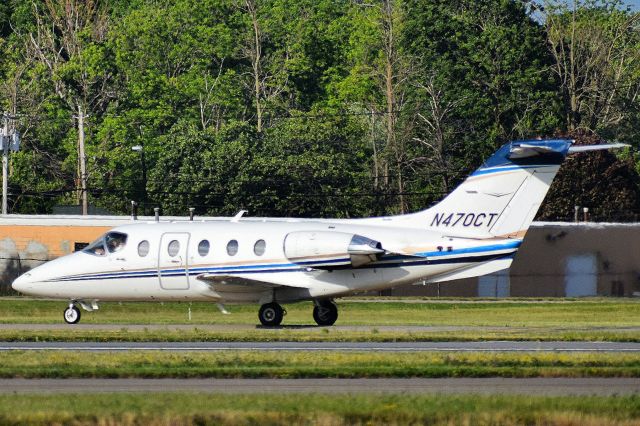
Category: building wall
[541,264]
[604,257]
[540,268]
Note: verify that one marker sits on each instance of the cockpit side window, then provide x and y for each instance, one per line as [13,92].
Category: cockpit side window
[96,248]
[115,241]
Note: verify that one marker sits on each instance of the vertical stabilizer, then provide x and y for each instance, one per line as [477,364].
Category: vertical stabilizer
[502,197]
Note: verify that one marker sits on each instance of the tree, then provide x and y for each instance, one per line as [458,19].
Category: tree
[380,81]
[596,47]
[488,63]
[605,184]
[67,41]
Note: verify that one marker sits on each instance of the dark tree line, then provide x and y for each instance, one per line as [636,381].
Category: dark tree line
[308,108]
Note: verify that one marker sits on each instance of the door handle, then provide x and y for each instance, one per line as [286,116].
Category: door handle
[175,261]
[121,259]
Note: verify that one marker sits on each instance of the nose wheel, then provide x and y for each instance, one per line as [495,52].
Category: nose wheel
[72,314]
[325,312]
[271,314]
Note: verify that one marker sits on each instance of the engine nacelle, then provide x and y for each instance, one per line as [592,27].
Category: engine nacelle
[327,249]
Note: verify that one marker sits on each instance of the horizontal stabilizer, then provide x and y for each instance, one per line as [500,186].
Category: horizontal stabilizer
[527,149]
[473,271]
[584,148]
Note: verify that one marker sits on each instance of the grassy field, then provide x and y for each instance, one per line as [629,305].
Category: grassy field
[568,314]
[588,319]
[272,364]
[187,409]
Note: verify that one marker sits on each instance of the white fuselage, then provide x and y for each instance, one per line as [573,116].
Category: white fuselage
[176,265]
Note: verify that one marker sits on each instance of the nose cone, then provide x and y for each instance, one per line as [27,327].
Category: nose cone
[23,283]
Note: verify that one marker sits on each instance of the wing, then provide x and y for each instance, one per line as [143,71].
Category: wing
[220,281]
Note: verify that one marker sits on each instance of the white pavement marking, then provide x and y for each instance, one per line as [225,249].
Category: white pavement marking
[480,346]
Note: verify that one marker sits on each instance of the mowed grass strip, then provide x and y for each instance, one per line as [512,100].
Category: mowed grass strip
[220,409]
[572,313]
[273,364]
[326,334]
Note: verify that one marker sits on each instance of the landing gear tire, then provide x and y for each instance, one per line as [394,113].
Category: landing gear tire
[325,313]
[271,314]
[72,315]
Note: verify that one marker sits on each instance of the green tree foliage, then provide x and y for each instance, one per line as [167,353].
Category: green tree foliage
[488,62]
[605,184]
[596,47]
[303,108]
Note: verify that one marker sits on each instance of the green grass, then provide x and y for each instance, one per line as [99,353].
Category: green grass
[570,315]
[187,409]
[301,364]
[561,319]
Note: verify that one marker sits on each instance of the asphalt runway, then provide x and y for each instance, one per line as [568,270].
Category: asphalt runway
[486,386]
[480,346]
[306,327]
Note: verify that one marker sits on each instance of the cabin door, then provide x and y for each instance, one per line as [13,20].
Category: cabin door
[173,269]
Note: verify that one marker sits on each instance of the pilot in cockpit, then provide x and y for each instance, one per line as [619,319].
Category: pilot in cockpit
[111,242]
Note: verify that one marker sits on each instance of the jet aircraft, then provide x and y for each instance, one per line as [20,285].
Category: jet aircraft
[476,230]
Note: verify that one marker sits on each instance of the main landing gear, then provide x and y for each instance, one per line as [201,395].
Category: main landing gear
[72,314]
[271,314]
[325,312]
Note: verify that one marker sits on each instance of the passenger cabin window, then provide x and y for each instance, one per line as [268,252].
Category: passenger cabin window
[259,247]
[203,248]
[115,241]
[143,248]
[174,247]
[232,248]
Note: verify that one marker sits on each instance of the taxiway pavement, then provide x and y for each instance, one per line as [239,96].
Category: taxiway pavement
[293,327]
[527,386]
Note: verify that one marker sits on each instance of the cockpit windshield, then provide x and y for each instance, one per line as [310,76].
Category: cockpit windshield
[96,248]
[111,242]
[115,241]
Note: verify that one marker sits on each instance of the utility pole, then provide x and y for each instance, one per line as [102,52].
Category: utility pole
[143,192]
[83,162]
[5,162]
[10,141]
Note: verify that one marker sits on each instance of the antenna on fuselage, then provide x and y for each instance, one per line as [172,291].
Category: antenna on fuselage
[134,210]
[191,210]
[156,211]
[237,217]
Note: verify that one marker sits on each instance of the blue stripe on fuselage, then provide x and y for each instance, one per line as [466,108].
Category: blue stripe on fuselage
[510,245]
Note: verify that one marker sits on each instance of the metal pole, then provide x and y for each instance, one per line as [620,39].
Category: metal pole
[83,162]
[5,163]
[144,179]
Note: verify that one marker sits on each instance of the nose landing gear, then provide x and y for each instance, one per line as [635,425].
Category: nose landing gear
[72,314]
